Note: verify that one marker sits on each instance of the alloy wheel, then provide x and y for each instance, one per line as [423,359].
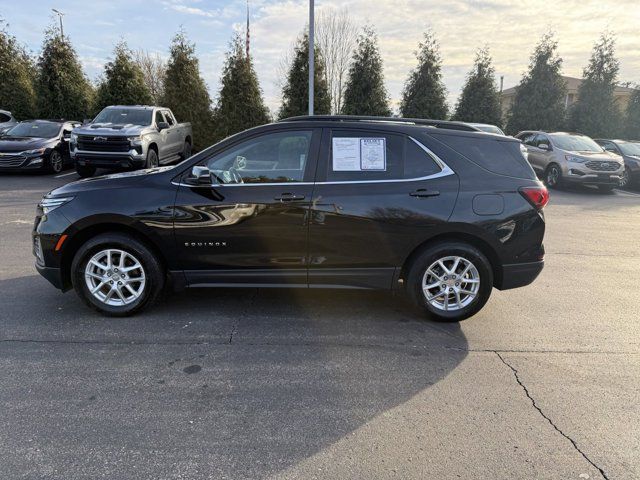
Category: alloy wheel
[624,180]
[451,283]
[55,160]
[115,277]
[553,175]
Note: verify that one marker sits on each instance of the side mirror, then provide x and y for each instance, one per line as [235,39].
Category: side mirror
[544,146]
[162,126]
[200,175]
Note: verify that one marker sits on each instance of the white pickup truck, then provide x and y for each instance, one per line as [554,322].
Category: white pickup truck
[130,137]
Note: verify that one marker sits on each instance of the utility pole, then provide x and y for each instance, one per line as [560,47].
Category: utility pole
[60,15]
[311,56]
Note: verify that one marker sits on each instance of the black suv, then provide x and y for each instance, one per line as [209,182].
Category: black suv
[311,202]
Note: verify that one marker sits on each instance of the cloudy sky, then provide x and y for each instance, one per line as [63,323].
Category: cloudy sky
[509,28]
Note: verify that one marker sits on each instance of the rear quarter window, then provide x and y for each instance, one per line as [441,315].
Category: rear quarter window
[503,158]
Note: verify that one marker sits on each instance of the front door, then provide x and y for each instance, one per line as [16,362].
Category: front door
[379,195]
[251,225]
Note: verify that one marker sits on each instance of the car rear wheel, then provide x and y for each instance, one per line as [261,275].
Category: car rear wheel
[117,274]
[450,281]
[553,176]
[152,159]
[56,162]
[85,171]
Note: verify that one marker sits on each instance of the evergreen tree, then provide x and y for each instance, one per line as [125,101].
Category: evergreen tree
[17,71]
[479,101]
[62,89]
[632,119]
[295,94]
[123,82]
[240,105]
[424,94]
[540,96]
[595,112]
[365,93]
[185,92]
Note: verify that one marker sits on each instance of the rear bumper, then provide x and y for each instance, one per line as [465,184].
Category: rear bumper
[54,275]
[519,274]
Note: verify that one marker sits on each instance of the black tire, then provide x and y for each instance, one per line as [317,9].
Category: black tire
[85,171]
[606,188]
[152,159]
[55,163]
[625,180]
[186,151]
[418,271]
[152,269]
[553,176]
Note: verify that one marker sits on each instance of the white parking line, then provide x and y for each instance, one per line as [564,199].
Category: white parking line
[65,175]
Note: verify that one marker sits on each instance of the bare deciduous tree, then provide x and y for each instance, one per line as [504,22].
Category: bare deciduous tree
[336,37]
[154,69]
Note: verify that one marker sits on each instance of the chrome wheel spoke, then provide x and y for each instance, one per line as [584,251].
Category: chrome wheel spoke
[107,279]
[451,288]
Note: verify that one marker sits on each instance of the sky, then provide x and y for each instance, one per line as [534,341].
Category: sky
[509,28]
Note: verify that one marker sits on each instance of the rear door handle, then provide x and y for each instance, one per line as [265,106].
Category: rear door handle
[289,197]
[423,192]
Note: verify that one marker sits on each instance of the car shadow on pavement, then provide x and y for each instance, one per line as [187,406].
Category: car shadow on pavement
[208,384]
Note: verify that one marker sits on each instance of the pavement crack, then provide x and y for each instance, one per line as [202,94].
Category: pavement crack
[247,309]
[557,429]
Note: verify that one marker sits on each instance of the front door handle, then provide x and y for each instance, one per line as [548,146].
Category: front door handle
[423,192]
[289,197]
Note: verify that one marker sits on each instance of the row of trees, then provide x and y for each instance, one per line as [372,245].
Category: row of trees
[348,80]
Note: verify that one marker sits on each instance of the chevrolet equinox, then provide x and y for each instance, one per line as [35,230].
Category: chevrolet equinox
[311,202]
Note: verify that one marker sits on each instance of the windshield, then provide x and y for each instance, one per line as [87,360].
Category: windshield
[630,149]
[575,143]
[124,116]
[34,129]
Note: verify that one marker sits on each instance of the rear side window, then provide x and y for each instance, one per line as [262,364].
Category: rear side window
[365,155]
[503,158]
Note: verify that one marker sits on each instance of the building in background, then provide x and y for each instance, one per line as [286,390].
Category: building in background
[621,95]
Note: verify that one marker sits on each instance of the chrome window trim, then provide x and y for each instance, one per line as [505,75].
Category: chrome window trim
[445,171]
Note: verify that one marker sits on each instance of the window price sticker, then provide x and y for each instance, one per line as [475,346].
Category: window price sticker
[359,154]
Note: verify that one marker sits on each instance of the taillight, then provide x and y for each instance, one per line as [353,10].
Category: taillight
[536,196]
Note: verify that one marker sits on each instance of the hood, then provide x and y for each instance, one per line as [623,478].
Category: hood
[110,129]
[19,144]
[115,180]
[603,156]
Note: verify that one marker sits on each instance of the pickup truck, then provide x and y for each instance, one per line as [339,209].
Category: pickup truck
[130,137]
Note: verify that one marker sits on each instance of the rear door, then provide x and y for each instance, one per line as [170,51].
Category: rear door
[251,226]
[174,135]
[378,195]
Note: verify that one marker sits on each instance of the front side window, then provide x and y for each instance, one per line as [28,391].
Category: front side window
[527,138]
[541,140]
[159,118]
[4,118]
[271,158]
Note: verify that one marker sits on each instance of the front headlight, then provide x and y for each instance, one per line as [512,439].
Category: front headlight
[37,151]
[50,204]
[135,140]
[572,159]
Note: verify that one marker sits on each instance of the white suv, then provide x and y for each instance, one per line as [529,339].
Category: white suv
[561,157]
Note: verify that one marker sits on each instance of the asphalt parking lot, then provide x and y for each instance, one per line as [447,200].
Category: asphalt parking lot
[543,383]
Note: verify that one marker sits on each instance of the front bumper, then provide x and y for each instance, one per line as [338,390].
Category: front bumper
[592,178]
[130,159]
[21,163]
[54,275]
[519,274]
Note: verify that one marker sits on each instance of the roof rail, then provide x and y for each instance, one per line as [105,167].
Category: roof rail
[452,125]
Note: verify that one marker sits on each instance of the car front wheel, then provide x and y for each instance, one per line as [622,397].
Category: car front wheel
[117,274]
[186,151]
[56,162]
[152,159]
[553,176]
[450,281]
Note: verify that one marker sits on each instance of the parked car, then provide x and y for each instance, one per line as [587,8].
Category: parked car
[130,137]
[36,145]
[630,153]
[561,157]
[6,121]
[306,202]
[488,128]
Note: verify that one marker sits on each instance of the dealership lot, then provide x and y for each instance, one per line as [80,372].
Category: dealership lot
[543,383]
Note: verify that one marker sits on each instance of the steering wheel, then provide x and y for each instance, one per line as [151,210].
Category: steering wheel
[237,178]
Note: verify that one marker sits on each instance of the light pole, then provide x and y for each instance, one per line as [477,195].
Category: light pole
[60,15]
[311,56]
